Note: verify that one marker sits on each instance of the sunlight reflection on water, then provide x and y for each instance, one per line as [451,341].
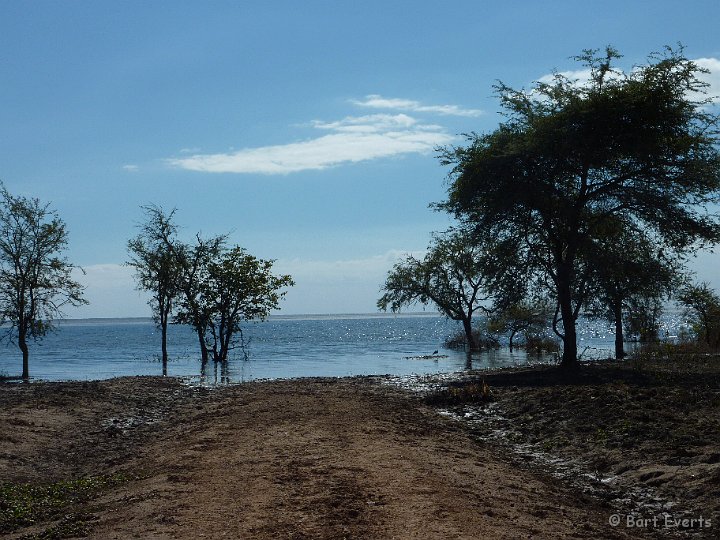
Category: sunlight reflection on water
[283,347]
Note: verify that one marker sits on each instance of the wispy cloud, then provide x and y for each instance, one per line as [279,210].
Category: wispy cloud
[374,123]
[350,140]
[131,168]
[580,76]
[375,101]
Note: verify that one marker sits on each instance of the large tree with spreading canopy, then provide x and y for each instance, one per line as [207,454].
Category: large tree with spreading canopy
[639,145]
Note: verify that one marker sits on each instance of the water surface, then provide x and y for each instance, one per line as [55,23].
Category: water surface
[282,347]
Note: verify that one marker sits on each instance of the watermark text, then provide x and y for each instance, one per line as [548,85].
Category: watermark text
[662,521]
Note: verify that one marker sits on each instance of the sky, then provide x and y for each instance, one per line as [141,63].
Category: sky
[306,130]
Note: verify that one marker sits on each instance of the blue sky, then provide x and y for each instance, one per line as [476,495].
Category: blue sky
[306,129]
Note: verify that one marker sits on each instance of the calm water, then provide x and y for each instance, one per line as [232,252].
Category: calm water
[283,347]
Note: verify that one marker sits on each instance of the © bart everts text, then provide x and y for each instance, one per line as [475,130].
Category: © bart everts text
[664,521]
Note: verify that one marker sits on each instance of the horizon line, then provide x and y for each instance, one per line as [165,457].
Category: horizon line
[273,316]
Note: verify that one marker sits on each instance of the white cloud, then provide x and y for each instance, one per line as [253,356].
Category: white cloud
[582,76]
[131,168]
[712,78]
[352,139]
[376,101]
[373,123]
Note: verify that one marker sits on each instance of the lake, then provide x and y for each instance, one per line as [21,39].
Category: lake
[282,347]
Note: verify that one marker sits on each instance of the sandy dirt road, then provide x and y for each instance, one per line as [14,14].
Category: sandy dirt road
[321,458]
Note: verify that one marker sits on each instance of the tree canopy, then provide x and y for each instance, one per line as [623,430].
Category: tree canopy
[628,273]
[193,261]
[702,305]
[570,155]
[204,285]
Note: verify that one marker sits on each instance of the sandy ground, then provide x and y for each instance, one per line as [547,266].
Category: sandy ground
[349,458]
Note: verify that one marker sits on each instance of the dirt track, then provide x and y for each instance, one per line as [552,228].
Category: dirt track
[318,458]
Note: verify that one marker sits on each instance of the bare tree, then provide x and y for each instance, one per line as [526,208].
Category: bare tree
[35,280]
[156,267]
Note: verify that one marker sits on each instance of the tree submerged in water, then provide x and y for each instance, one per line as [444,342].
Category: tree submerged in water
[234,288]
[702,306]
[527,319]
[156,267]
[450,277]
[204,285]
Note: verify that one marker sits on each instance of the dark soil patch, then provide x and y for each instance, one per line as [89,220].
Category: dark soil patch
[647,431]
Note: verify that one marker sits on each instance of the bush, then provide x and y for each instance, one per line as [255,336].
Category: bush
[702,306]
[458,340]
[642,321]
[538,344]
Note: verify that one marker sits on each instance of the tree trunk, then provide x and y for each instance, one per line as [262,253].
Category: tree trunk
[468,360]
[204,356]
[467,326]
[224,372]
[163,332]
[569,357]
[225,345]
[706,323]
[619,338]
[203,372]
[22,343]
[512,335]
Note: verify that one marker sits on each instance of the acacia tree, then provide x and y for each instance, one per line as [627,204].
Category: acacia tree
[156,267]
[628,275]
[702,304]
[236,287]
[450,276]
[632,144]
[35,280]
[528,318]
[193,261]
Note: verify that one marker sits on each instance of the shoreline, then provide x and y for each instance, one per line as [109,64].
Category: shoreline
[616,439]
